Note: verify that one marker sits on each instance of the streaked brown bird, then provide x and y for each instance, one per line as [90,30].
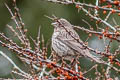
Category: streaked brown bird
[64,41]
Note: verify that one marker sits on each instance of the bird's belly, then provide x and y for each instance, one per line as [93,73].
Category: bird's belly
[60,48]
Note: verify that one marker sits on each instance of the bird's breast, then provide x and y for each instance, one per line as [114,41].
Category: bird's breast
[59,47]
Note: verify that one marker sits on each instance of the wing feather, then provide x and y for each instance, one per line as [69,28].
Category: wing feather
[77,47]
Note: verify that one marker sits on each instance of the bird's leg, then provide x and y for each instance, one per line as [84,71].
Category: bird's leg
[74,60]
[74,63]
[64,64]
[55,57]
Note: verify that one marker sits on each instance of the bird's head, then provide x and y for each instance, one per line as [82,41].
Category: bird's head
[60,22]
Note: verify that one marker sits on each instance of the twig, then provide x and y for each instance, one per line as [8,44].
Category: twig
[15,66]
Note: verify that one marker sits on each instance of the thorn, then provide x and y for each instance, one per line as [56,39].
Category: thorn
[54,18]
[49,17]
[38,37]
[39,32]
[43,41]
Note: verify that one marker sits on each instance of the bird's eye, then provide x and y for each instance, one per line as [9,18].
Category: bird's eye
[63,22]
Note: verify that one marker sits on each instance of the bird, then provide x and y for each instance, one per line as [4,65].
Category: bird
[65,41]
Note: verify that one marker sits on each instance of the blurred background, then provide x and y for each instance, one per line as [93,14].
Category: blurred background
[33,14]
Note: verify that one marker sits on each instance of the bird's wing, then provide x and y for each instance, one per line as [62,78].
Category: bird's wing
[71,42]
[77,47]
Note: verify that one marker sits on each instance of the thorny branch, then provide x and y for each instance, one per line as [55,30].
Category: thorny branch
[80,5]
[38,60]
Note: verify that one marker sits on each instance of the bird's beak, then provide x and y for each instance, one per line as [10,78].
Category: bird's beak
[54,24]
[54,18]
